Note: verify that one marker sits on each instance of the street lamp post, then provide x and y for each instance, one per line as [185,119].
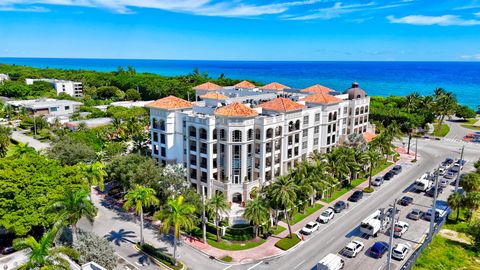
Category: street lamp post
[392,229]
[434,209]
[458,175]
[416,147]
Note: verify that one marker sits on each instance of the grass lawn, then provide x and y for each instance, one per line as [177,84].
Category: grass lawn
[297,217]
[233,245]
[227,259]
[279,230]
[355,183]
[446,254]
[287,243]
[442,132]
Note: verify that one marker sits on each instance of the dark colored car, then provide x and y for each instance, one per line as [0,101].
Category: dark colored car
[396,169]
[7,250]
[431,191]
[339,206]
[448,161]
[389,175]
[455,169]
[378,249]
[405,201]
[356,196]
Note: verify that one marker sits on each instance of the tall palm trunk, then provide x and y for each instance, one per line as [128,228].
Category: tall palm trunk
[74,232]
[409,140]
[141,226]
[370,177]
[175,249]
[440,122]
[217,224]
[288,224]
[256,231]
[458,212]
[276,219]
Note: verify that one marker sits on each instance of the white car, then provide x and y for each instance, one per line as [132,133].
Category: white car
[441,171]
[353,248]
[400,251]
[443,183]
[310,228]
[400,228]
[326,216]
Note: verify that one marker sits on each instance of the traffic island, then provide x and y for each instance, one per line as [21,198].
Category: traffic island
[287,242]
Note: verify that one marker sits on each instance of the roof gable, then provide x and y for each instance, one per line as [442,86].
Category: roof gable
[208,86]
[169,103]
[275,86]
[317,88]
[281,104]
[214,95]
[244,84]
[235,109]
[321,98]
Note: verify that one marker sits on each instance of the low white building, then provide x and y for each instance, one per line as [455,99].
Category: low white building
[47,106]
[74,89]
[4,77]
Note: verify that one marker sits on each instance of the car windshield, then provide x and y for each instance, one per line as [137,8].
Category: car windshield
[397,251]
[325,214]
[339,204]
[308,226]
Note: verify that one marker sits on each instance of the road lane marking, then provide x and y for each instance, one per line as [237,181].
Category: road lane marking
[228,267]
[255,265]
[126,260]
[299,264]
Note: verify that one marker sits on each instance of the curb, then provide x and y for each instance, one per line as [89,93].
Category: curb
[158,262]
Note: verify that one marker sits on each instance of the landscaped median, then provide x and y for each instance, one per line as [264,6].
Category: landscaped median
[287,242]
[299,216]
[160,258]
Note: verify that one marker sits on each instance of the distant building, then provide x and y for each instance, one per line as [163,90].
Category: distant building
[130,104]
[90,123]
[92,266]
[4,77]
[235,138]
[47,106]
[74,89]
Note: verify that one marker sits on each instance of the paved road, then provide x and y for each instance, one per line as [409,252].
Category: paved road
[457,132]
[332,237]
[38,145]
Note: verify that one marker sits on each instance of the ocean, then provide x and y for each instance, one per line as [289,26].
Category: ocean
[377,78]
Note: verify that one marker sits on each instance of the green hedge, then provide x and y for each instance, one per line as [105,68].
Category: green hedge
[368,190]
[157,254]
[227,259]
[287,243]
[238,234]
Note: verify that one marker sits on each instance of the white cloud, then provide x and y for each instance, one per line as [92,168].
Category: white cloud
[475,57]
[332,12]
[444,20]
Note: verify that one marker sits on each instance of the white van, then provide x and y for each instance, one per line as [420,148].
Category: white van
[372,224]
[422,183]
[331,262]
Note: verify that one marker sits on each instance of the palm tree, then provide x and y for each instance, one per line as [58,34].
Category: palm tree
[283,193]
[373,158]
[455,201]
[471,182]
[178,215]
[72,206]
[472,202]
[360,159]
[218,205]
[95,174]
[140,197]
[445,105]
[256,212]
[43,254]
[22,150]
[336,163]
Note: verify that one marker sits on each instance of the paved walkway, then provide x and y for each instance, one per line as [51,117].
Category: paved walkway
[20,137]
[268,248]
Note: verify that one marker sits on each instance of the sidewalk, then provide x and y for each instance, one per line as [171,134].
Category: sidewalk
[268,248]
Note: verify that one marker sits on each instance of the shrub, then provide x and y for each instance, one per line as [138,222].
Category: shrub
[287,243]
[368,190]
[92,247]
[157,254]
[227,259]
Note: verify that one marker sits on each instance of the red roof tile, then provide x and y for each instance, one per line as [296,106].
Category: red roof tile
[213,95]
[317,88]
[275,86]
[368,136]
[208,86]
[321,98]
[169,103]
[281,104]
[244,84]
[235,110]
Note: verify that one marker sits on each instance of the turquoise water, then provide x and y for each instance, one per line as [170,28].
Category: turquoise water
[377,78]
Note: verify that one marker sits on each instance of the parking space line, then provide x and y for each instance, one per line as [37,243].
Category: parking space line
[250,268]
[228,267]
[299,264]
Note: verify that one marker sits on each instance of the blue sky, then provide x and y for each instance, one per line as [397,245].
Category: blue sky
[242,29]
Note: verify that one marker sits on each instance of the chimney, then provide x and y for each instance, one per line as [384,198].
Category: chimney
[355,85]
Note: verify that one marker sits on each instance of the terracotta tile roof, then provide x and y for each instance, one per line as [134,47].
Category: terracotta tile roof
[317,88]
[321,98]
[208,86]
[169,103]
[235,110]
[244,84]
[275,86]
[281,104]
[368,136]
[213,95]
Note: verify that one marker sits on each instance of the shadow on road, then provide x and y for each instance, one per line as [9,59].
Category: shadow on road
[120,236]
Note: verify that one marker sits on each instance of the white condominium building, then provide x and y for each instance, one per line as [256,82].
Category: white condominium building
[243,136]
[74,89]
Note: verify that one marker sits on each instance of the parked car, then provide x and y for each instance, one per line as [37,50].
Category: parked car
[326,216]
[441,171]
[400,228]
[405,201]
[356,196]
[460,162]
[331,262]
[390,210]
[389,175]
[339,206]
[455,169]
[431,191]
[7,250]
[310,228]
[353,248]
[378,249]
[449,175]
[400,251]
[448,161]
[396,169]
[443,183]
[377,181]
[415,214]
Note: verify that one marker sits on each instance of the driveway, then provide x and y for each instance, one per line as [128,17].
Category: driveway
[20,137]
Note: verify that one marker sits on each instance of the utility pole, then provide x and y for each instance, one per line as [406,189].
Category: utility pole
[392,230]
[459,172]
[204,225]
[416,147]
[434,208]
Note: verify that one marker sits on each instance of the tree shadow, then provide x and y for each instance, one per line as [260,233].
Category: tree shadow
[120,236]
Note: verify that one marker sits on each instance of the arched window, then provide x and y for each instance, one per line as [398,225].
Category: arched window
[366,108]
[215,134]
[269,133]
[278,131]
[203,133]
[329,117]
[335,116]
[154,123]
[290,126]
[192,131]
[258,134]
[361,110]
[222,134]
[162,125]
[250,134]
[236,136]
[297,125]
[356,111]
